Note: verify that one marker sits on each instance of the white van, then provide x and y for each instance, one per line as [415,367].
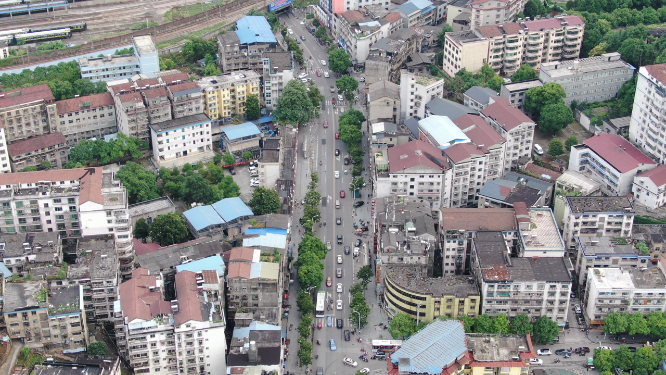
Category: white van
[538,149]
[337,203]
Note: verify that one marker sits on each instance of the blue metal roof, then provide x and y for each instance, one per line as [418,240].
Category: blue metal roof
[407,8]
[5,271]
[232,208]
[254,326]
[421,3]
[254,29]
[443,130]
[428,9]
[255,270]
[245,129]
[493,189]
[269,240]
[264,120]
[214,263]
[202,217]
[432,348]
[264,231]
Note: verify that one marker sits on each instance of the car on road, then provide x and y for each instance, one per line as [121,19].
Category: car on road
[341,98]
[339,239]
[339,304]
[544,352]
[331,344]
[332,89]
[254,184]
[362,79]
[347,335]
[318,73]
[326,124]
[337,152]
[319,326]
[364,370]
[337,174]
[337,136]
[582,350]
[349,362]
[304,80]
[605,348]
[323,62]
[536,361]
[329,321]
[347,250]
[358,204]
[338,272]
[290,31]
[303,38]
[572,295]
[563,352]
[329,281]
[320,371]
[342,193]
[298,41]
[632,349]
[577,309]
[339,289]
[346,161]
[232,171]
[339,259]
[358,242]
[338,221]
[253,163]
[328,245]
[302,75]
[326,75]
[338,323]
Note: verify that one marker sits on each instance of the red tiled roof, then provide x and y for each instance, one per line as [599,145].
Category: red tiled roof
[574,20]
[544,23]
[133,97]
[239,270]
[478,131]
[618,152]
[496,219]
[485,1]
[124,88]
[542,172]
[172,79]
[183,87]
[90,180]
[498,272]
[74,105]
[240,253]
[522,214]
[494,30]
[393,17]
[136,299]
[148,82]
[657,175]
[504,114]
[189,306]
[210,277]
[26,95]
[658,71]
[414,154]
[141,248]
[35,144]
[157,92]
[352,16]
[462,151]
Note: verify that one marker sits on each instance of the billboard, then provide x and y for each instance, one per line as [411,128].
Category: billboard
[279,5]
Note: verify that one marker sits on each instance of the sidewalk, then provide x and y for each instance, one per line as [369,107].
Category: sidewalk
[8,365]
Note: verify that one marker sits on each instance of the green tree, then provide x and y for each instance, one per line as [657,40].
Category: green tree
[599,50]
[555,117]
[197,189]
[227,188]
[657,323]
[501,324]
[310,275]
[217,159]
[402,326]
[264,201]
[623,358]
[347,86]
[294,105]
[30,168]
[521,325]
[305,326]
[442,35]
[339,61]
[97,348]
[636,52]
[365,275]
[211,69]
[141,229]
[545,330]
[616,323]
[539,97]
[248,155]
[140,183]
[484,324]
[167,64]
[603,360]
[350,135]
[321,33]
[571,141]
[228,159]
[305,354]
[524,73]
[196,49]
[168,229]
[555,148]
[645,359]
[534,8]
[468,322]
[252,107]
[310,243]
[304,302]
[638,325]
[315,97]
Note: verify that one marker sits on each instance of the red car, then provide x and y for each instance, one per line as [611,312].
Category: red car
[319,324]
[342,193]
[329,281]
[337,136]
[326,123]
[318,73]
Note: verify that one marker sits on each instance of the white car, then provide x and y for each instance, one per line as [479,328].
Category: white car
[349,362]
[339,259]
[544,352]
[337,174]
[339,290]
[341,98]
[325,74]
[254,180]
[605,348]
[254,184]
[536,361]
[302,75]
[339,304]
[304,80]
[323,62]
[290,31]
[365,371]
[362,79]
[577,309]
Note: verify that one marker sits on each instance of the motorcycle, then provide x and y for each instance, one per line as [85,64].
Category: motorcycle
[364,359]
[318,342]
[316,356]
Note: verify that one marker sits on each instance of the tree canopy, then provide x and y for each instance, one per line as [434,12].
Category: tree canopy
[196,49]
[202,184]
[339,61]
[538,97]
[525,72]
[464,80]
[402,326]
[140,183]
[264,201]
[252,107]
[294,105]
[141,229]
[89,152]
[555,117]
[545,330]
[347,86]
[555,148]
[168,229]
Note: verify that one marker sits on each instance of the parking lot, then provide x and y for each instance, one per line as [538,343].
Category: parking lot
[543,139]
[242,179]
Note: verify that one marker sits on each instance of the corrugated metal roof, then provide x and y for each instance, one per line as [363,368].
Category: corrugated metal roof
[245,129]
[265,231]
[254,29]
[214,263]
[443,130]
[232,208]
[264,270]
[202,217]
[270,240]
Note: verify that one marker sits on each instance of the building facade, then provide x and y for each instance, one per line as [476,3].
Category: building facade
[278,71]
[416,91]
[596,216]
[5,166]
[28,112]
[485,12]
[225,95]
[384,102]
[86,117]
[144,60]
[44,151]
[650,187]
[186,99]
[182,137]
[242,49]
[647,125]
[515,92]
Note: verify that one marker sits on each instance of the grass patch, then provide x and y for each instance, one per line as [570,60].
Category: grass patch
[189,10]
[305,3]
[27,358]
[144,25]
[197,34]
[647,220]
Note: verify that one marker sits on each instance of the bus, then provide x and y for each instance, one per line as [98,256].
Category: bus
[321,304]
[386,345]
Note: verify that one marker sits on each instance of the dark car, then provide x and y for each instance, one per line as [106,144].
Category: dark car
[357,243]
[563,352]
[339,239]
[347,335]
[347,250]
[358,204]
[337,152]
[232,171]
[346,161]
[338,221]
[632,349]
[338,323]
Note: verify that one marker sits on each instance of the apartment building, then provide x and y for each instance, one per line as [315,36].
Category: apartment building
[610,160]
[650,187]
[416,90]
[131,112]
[158,104]
[28,112]
[394,50]
[159,336]
[441,132]
[478,97]
[464,49]
[416,169]
[515,92]
[384,102]
[605,252]
[647,126]
[254,287]
[242,49]
[459,226]
[240,138]
[256,347]
[5,166]
[631,291]
[24,252]
[539,234]
[387,135]
[533,286]
[593,79]
[87,364]
[184,137]
[356,33]
[340,6]
[42,318]
[596,216]
[186,99]
[408,291]
[514,126]
[279,69]
[144,61]
[509,354]
[269,162]
[572,183]
[417,13]
[86,117]
[225,95]
[43,151]
[485,12]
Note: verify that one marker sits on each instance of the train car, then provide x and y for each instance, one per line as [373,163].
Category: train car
[40,6]
[5,3]
[13,32]
[42,36]
[80,26]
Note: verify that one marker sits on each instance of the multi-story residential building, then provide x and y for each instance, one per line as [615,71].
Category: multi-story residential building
[225,95]
[459,15]
[203,221]
[278,71]
[439,348]
[45,151]
[572,183]
[610,160]
[408,291]
[189,329]
[505,47]
[416,169]
[256,346]
[395,49]
[269,162]
[594,79]
[186,138]
[35,249]
[42,318]
[254,287]
[458,226]
[449,108]
[240,138]
[626,290]
[509,354]
[384,102]
[5,166]
[86,117]
[647,123]
[28,112]
[416,90]
[512,125]
[505,193]
[485,13]
[650,187]
[596,216]
[242,49]
[159,106]
[186,99]
[387,135]
[356,33]
[539,234]
[167,260]
[340,6]
[441,132]
[131,113]
[144,61]
[533,286]
[416,13]
[87,364]
[515,92]
[478,97]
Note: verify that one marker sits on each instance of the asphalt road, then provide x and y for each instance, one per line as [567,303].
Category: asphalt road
[321,146]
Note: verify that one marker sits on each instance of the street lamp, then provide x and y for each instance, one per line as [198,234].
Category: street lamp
[359,318]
